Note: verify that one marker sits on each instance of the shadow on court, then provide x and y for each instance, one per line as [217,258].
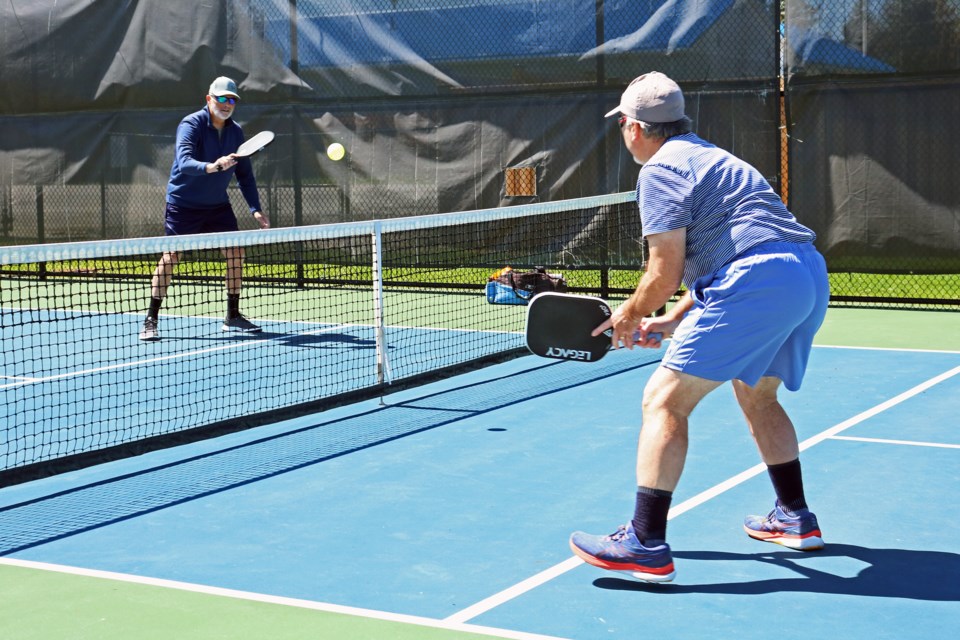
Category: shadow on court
[303,340]
[890,573]
[323,340]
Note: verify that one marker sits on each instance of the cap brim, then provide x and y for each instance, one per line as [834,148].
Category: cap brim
[613,112]
[225,93]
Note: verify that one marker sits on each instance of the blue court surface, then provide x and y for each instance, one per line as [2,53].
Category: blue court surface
[450,505]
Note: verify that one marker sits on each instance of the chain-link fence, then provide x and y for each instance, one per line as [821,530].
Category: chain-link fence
[443,105]
[871,90]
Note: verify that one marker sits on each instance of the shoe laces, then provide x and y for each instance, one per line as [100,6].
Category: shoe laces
[619,534]
[788,517]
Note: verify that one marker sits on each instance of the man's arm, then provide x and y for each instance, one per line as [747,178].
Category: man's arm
[188,140]
[657,285]
[248,184]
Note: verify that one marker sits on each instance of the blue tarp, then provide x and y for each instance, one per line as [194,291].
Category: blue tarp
[675,24]
[519,30]
[808,48]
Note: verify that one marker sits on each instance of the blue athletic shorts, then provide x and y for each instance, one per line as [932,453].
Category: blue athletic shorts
[754,317]
[181,221]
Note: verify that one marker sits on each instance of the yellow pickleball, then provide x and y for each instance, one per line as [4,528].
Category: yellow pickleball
[336,151]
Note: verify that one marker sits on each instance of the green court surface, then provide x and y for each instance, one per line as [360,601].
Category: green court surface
[45,605]
[891,328]
[42,604]
[457,309]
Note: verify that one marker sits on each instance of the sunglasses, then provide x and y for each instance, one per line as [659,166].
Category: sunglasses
[225,99]
[622,120]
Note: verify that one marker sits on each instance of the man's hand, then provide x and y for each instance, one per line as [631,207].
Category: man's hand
[222,164]
[623,326]
[651,328]
[261,219]
[647,333]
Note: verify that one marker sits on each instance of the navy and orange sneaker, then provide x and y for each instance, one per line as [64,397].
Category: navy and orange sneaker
[793,529]
[621,551]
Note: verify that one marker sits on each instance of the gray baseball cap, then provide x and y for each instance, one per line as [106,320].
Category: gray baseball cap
[223,86]
[652,97]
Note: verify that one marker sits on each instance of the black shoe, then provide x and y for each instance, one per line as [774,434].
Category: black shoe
[239,323]
[149,332]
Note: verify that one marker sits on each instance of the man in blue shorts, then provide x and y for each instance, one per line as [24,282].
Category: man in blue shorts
[757,293]
[197,201]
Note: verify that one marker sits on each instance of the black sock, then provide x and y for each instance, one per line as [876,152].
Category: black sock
[154,307]
[233,305]
[650,514]
[788,484]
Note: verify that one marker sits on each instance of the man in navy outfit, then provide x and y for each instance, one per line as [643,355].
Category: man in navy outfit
[197,200]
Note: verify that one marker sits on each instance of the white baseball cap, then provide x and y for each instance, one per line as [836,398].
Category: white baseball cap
[652,97]
[223,86]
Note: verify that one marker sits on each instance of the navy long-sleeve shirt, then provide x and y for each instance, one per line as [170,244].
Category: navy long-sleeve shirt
[200,144]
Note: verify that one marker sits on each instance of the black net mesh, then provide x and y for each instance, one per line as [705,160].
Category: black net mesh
[342,311]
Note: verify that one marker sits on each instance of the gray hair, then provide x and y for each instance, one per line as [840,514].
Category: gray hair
[667,129]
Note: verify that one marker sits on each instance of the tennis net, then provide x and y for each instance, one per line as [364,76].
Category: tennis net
[345,310]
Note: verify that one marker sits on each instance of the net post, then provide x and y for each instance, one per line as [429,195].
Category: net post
[383,366]
[41,232]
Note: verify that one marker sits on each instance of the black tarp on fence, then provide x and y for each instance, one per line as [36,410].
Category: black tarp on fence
[436,99]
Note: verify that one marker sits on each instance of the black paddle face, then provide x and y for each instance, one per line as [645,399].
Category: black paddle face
[559,326]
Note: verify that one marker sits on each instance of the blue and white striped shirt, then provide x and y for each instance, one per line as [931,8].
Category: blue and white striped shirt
[725,204]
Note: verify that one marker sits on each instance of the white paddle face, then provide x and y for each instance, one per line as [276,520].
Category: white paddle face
[254,144]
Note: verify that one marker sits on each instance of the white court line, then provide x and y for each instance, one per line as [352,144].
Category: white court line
[279,600]
[912,443]
[22,381]
[175,356]
[510,593]
[904,349]
[522,587]
[18,380]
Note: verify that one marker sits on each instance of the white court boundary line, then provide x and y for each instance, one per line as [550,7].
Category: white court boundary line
[544,576]
[173,356]
[911,443]
[20,381]
[903,349]
[278,600]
